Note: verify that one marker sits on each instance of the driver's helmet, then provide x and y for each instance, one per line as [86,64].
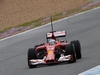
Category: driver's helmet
[52,42]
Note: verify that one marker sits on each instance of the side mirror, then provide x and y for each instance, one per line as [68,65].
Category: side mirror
[61,41]
[41,43]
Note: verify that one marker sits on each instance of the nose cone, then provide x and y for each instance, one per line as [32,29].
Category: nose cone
[50,56]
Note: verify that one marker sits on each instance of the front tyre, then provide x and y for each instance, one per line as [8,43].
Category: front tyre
[70,51]
[77,46]
[31,55]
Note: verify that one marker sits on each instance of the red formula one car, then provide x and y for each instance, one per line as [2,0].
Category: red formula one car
[54,51]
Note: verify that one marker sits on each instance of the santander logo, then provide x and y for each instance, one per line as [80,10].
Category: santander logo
[50,47]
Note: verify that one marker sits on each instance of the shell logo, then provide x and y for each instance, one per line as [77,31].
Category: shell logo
[50,52]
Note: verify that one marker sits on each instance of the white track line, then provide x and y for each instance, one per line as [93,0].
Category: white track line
[93,71]
[49,23]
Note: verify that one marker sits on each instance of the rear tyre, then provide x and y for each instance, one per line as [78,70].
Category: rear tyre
[31,55]
[70,51]
[77,46]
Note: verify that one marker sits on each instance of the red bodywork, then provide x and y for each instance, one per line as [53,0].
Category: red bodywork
[52,53]
[51,50]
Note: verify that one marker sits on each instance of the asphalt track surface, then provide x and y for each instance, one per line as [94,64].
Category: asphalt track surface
[84,27]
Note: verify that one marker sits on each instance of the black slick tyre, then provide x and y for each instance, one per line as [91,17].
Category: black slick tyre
[77,46]
[31,55]
[70,51]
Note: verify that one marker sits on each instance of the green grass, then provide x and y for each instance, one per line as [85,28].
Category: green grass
[34,24]
[1,31]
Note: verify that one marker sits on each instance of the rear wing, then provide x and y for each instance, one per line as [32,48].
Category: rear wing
[56,34]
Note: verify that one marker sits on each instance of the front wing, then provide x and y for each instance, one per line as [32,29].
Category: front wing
[42,61]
